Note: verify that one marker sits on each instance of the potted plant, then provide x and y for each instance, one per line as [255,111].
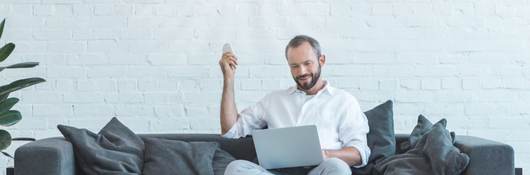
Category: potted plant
[8,116]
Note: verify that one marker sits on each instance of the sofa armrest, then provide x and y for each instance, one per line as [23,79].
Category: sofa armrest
[51,156]
[486,157]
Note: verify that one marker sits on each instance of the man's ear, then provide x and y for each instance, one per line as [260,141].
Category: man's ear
[322,59]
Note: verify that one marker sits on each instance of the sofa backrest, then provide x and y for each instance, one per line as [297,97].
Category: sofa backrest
[242,148]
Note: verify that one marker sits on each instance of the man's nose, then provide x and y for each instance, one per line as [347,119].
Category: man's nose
[303,70]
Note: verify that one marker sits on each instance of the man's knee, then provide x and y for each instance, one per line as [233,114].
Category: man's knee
[235,165]
[336,165]
[238,167]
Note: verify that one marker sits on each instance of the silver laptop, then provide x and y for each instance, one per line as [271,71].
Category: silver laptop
[287,147]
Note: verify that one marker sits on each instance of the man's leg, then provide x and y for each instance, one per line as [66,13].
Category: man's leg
[331,166]
[243,167]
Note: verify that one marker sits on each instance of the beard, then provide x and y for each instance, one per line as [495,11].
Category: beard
[308,85]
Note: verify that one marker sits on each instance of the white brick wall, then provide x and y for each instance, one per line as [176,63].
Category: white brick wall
[153,63]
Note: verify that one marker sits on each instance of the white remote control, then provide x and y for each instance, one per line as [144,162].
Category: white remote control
[227,48]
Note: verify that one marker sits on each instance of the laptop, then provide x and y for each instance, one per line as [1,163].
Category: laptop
[287,147]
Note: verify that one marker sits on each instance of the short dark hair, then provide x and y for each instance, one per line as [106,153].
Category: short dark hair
[299,40]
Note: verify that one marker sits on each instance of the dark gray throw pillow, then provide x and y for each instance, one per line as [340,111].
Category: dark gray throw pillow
[381,138]
[422,127]
[437,145]
[175,157]
[433,154]
[114,150]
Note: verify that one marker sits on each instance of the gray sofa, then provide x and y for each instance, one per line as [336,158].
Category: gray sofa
[55,156]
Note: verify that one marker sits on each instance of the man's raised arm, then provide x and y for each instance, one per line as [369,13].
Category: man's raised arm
[229,114]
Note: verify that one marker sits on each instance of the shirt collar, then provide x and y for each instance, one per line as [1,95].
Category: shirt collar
[327,89]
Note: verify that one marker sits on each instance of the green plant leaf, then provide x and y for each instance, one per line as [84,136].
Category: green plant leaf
[10,118]
[19,84]
[21,65]
[7,104]
[6,51]
[23,139]
[5,139]
[3,97]
[7,154]
[2,27]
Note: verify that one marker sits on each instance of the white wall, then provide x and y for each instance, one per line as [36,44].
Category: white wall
[154,63]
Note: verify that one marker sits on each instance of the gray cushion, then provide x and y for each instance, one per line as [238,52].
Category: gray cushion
[444,158]
[172,157]
[422,127]
[381,138]
[114,150]
[432,154]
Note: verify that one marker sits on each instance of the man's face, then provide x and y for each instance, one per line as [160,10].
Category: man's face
[305,66]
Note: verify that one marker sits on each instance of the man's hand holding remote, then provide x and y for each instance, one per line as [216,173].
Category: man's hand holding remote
[228,62]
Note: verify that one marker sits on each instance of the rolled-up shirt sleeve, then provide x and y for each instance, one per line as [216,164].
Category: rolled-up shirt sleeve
[249,119]
[353,129]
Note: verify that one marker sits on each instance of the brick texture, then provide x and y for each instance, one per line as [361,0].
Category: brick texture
[154,63]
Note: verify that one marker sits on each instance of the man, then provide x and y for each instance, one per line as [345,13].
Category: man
[341,125]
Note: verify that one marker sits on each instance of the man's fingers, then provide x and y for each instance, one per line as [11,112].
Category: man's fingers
[228,66]
[228,61]
[229,55]
[233,60]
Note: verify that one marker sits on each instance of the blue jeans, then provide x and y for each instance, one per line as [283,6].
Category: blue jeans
[331,166]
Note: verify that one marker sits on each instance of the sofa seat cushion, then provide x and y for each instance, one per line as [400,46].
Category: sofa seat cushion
[172,157]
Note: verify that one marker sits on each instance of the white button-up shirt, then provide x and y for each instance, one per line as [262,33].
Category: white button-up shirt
[336,114]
